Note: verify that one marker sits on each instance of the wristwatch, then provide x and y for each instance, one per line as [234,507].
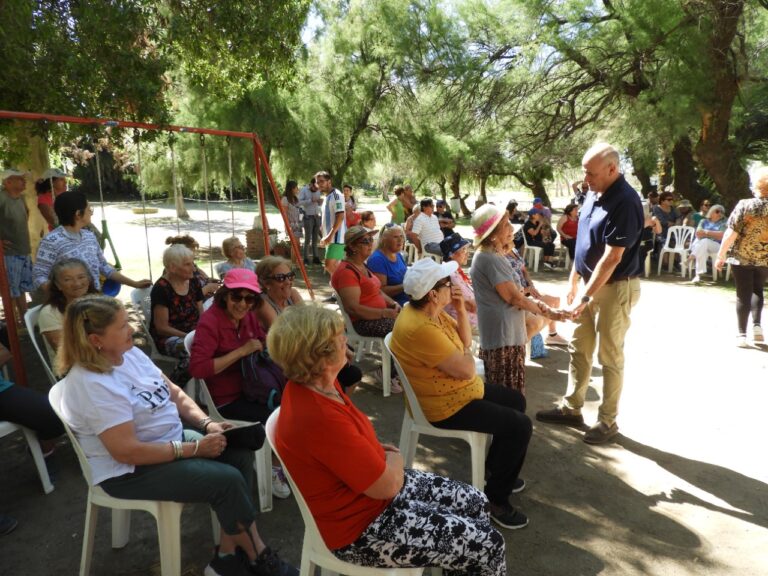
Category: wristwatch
[586,299]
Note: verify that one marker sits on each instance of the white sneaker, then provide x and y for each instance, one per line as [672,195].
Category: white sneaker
[556,340]
[696,279]
[741,341]
[280,488]
[757,333]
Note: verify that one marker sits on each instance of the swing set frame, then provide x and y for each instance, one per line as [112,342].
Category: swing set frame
[261,167]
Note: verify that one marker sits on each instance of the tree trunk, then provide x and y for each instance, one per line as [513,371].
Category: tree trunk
[539,191]
[685,179]
[456,191]
[725,62]
[645,180]
[483,199]
[665,173]
[441,182]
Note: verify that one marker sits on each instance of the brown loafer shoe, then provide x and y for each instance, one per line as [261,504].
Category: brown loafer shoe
[559,416]
[600,433]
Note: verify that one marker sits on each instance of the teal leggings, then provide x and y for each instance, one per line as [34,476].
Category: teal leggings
[225,484]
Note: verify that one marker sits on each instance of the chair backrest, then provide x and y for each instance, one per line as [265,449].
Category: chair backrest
[30,321]
[351,332]
[141,301]
[410,396]
[682,236]
[309,520]
[54,397]
[188,340]
[206,394]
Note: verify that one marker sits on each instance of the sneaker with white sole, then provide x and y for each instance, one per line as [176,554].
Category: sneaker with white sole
[696,280]
[741,341]
[508,517]
[555,340]
[229,565]
[280,488]
[757,333]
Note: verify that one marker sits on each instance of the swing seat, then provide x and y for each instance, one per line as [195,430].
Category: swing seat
[144,210]
[111,287]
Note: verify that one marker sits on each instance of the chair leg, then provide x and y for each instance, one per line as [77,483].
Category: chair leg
[169,537]
[408,440]
[216,528]
[37,456]
[477,450]
[386,370]
[263,465]
[121,527]
[89,533]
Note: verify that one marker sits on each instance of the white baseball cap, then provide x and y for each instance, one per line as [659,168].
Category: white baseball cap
[424,274]
[54,173]
[10,172]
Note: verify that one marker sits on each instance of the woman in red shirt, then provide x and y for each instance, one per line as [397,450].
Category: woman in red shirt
[368,509]
[372,312]
[567,227]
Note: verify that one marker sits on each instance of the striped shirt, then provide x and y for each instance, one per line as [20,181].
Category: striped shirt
[333,203]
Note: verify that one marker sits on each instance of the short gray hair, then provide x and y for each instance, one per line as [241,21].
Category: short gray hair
[176,254]
[716,208]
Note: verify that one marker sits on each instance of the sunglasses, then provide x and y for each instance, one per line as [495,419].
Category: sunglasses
[283,277]
[367,240]
[238,297]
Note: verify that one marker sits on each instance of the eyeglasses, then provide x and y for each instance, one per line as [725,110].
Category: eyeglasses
[238,297]
[706,204]
[446,284]
[283,277]
[367,240]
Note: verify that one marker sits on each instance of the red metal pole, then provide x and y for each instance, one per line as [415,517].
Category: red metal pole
[10,318]
[294,242]
[260,193]
[120,123]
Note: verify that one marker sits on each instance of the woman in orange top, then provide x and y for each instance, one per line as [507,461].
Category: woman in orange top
[368,509]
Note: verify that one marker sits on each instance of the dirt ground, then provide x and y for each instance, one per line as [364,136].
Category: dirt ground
[681,491]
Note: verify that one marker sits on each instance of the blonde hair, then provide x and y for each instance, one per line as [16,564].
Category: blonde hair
[227,245]
[267,265]
[175,254]
[301,341]
[760,179]
[91,314]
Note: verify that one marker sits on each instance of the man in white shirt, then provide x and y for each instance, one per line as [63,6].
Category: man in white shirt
[333,221]
[426,233]
[310,200]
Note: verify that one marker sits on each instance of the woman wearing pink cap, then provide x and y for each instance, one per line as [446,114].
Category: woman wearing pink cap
[228,332]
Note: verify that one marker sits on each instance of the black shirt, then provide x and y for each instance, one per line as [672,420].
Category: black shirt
[615,219]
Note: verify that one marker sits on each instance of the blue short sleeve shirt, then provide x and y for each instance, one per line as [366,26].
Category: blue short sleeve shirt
[615,219]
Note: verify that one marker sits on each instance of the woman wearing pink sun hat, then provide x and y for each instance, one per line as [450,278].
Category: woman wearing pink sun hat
[501,303]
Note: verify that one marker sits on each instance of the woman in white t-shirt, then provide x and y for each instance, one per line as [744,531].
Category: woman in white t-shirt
[69,279]
[128,418]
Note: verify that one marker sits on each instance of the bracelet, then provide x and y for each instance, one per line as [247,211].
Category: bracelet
[197,445]
[178,449]
[203,425]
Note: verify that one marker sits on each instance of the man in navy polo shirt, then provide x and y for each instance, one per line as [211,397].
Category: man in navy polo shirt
[605,286]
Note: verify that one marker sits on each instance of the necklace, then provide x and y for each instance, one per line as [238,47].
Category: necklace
[331,394]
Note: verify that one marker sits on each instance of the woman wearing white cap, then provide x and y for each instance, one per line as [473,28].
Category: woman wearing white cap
[434,351]
[501,303]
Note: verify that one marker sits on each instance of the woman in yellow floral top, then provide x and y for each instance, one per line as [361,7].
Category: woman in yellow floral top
[747,234]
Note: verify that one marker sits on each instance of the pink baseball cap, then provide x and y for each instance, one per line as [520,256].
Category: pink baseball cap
[242,278]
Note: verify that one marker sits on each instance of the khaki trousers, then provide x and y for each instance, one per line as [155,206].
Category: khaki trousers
[603,323]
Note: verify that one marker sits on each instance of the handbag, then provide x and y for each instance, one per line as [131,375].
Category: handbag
[263,380]
[248,436]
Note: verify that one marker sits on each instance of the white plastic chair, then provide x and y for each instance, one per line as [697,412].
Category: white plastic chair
[712,258]
[532,254]
[314,552]
[434,257]
[167,514]
[364,342]
[415,423]
[7,428]
[141,303]
[30,321]
[682,236]
[262,463]
[411,253]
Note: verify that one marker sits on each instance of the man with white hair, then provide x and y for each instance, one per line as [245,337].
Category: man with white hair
[604,287]
[15,238]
